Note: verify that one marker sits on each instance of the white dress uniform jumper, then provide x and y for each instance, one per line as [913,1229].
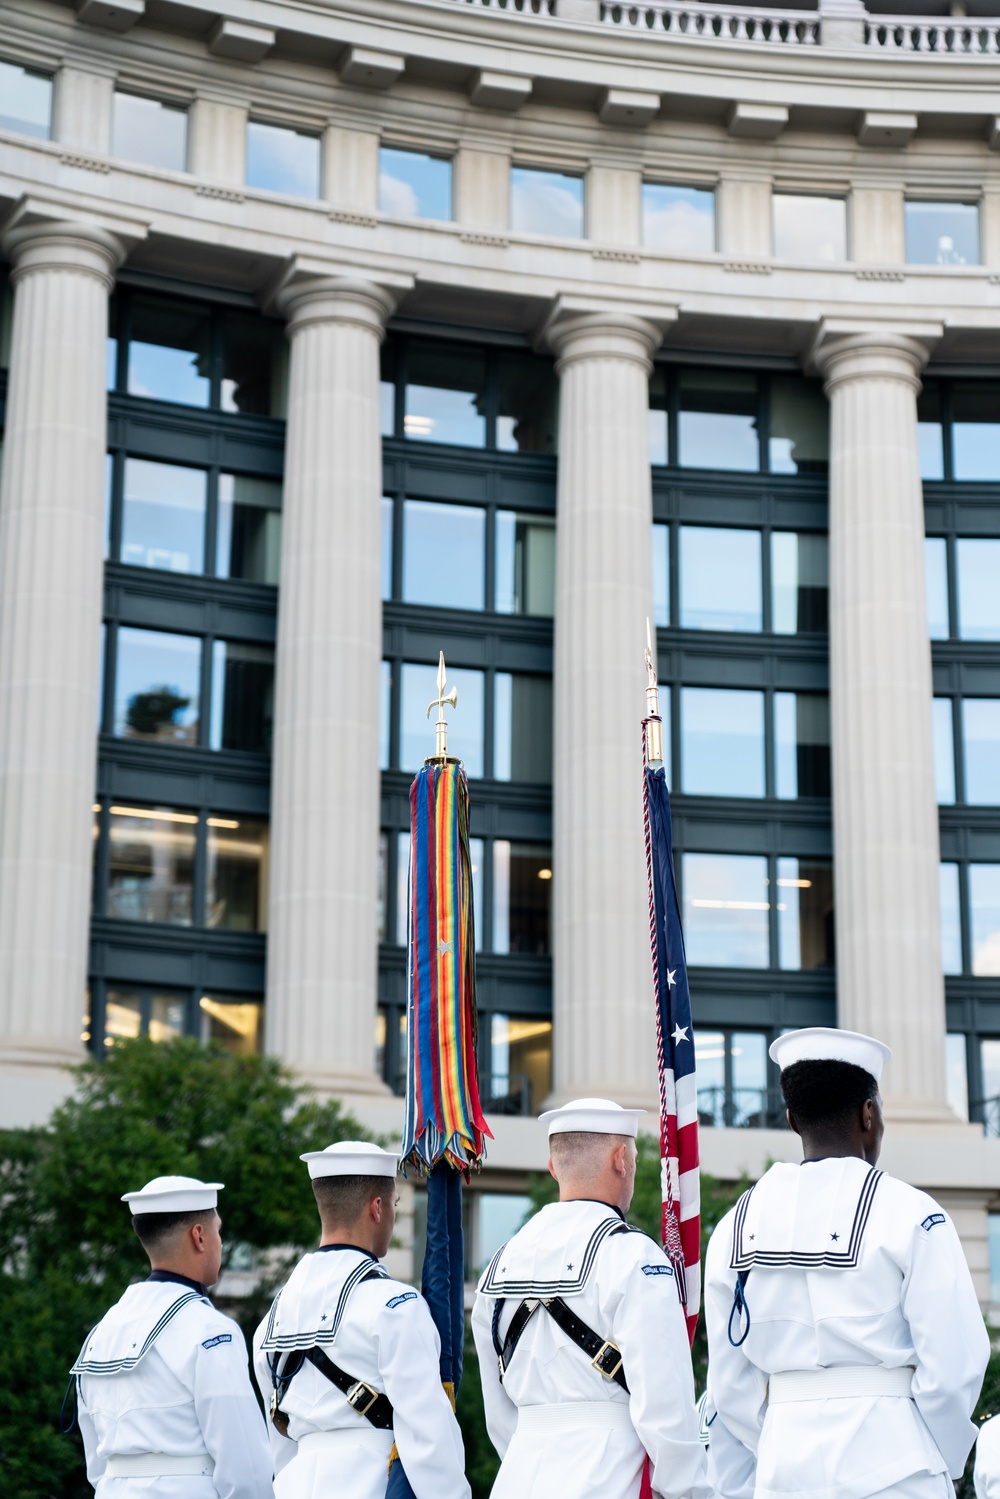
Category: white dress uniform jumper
[986,1474]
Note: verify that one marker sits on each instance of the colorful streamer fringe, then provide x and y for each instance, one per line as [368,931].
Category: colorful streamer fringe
[443,1117]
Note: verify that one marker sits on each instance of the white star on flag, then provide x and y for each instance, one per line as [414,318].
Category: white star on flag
[671,979]
[680,1034]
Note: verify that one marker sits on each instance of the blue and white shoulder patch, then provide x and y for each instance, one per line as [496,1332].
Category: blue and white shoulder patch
[222,1337]
[398,1300]
[932,1221]
[657,1270]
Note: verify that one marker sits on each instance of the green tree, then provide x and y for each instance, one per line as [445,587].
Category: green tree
[150,712]
[67,1250]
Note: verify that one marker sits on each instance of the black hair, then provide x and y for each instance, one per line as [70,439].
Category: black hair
[342,1199]
[153,1229]
[826,1094]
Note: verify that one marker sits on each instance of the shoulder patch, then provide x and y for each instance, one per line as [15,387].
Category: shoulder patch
[657,1270]
[932,1221]
[222,1337]
[398,1300]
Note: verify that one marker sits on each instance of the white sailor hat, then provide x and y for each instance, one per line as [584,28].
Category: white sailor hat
[173,1194]
[592,1116]
[351,1158]
[820,1043]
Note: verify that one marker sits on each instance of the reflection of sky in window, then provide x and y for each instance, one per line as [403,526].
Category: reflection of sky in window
[149,660]
[111,365]
[25,101]
[799,581]
[936,576]
[412,185]
[956,1074]
[500,1216]
[386,552]
[930,445]
[720,578]
[984,911]
[978,567]
[993,1220]
[387,408]
[722,742]
[281,160]
[989,1061]
[658,435]
[434,414]
[546,203]
[384,690]
[661,575]
[163,520]
[718,439]
[981,733]
[678,219]
[726,910]
[146,131]
[975,450]
[951,919]
[465,723]
[809,229]
[942,233]
[944,751]
[444,555]
[789,925]
[165,374]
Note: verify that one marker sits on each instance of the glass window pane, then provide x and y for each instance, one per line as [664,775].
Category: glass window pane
[722,742]
[168,352]
[525,563]
[237,874]
[248,534]
[805,913]
[163,516]
[725,910]
[930,432]
[25,100]
[944,751]
[242,696]
[151,864]
[465,725]
[718,420]
[157,684]
[234,1023]
[522,897]
[680,220]
[254,365]
[383,888]
[384,694]
[527,404]
[520,1064]
[800,588]
[951,919]
[498,1217]
[801,744]
[981,733]
[975,430]
[710,1063]
[809,228]
[942,233]
[446,395]
[659,396]
[984,915]
[147,131]
[476,855]
[993,1222]
[799,439]
[546,203]
[412,185]
[386,547]
[167,1017]
[720,579]
[122,1016]
[956,1074]
[444,555]
[978,567]
[661,575]
[989,1055]
[282,160]
[522,749]
[936,577]
[748,1105]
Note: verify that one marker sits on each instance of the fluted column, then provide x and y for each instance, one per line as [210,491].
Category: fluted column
[323,939]
[51,574]
[603,1004]
[886,846]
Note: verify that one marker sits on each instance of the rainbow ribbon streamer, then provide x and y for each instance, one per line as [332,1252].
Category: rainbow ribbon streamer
[443,1117]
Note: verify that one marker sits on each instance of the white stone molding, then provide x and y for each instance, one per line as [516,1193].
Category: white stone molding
[217,146]
[491,89]
[842,23]
[240,40]
[482,188]
[350,169]
[371,67]
[112,15]
[877,232]
[887,128]
[81,111]
[743,208]
[85,163]
[614,205]
[630,107]
[759,122]
[886,846]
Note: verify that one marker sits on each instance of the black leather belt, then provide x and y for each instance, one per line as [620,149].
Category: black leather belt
[604,1355]
[361,1397]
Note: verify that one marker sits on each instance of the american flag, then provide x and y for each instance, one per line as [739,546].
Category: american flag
[675,1051]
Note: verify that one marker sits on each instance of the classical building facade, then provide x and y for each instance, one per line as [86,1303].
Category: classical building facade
[334,336]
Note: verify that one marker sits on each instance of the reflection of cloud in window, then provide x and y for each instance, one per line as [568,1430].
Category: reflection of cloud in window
[541,206]
[397,197]
[986,957]
[680,227]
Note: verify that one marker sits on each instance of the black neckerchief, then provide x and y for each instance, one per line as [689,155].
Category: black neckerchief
[178,1279]
[601,1203]
[324,1248]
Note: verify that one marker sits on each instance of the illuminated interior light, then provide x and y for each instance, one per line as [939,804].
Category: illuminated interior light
[154,815]
[733,905]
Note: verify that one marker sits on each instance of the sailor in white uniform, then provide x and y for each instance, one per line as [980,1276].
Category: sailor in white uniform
[986,1473]
[846,1345]
[581,1337]
[166,1407]
[347,1359]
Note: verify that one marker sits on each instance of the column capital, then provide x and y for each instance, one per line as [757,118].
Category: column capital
[40,235]
[309,292]
[585,328]
[848,349]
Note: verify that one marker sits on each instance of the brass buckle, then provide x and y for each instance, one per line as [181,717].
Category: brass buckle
[357,1393]
[602,1353]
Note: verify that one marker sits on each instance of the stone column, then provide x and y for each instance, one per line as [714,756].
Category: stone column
[603,1001]
[51,579]
[322,940]
[886,848]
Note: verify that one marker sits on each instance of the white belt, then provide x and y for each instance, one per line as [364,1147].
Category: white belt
[367,1436]
[575,1415]
[159,1465]
[851,1382]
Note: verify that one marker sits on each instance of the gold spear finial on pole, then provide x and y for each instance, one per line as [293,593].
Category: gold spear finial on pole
[442,700]
[653,724]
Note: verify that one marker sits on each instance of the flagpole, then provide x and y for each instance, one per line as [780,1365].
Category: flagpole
[653,724]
